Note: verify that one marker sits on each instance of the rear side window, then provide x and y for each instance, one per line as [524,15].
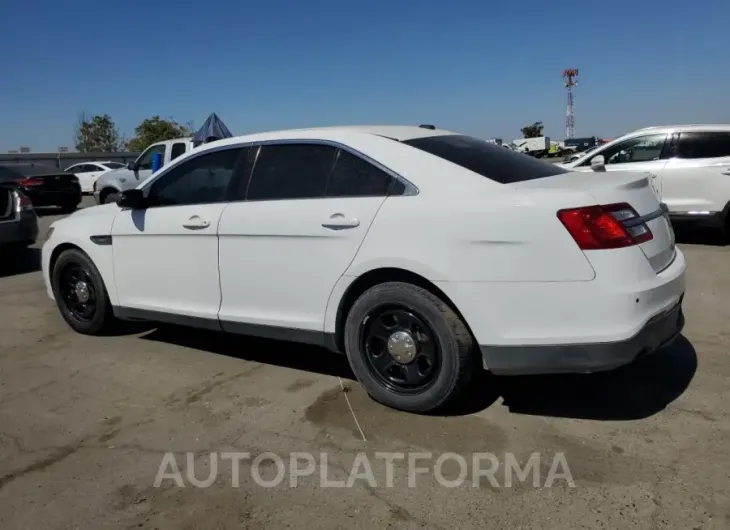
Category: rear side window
[177,150]
[291,171]
[488,160]
[8,175]
[355,177]
[702,145]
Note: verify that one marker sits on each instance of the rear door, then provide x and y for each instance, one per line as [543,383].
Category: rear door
[143,164]
[697,175]
[293,232]
[87,175]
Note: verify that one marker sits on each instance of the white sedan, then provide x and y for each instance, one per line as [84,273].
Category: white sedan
[423,255]
[89,172]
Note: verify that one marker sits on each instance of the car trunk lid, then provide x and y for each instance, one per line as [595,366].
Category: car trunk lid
[52,181]
[633,189]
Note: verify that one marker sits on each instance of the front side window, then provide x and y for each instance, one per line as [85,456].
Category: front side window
[702,145]
[354,177]
[201,180]
[145,159]
[640,149]
[291,171]
[114,165]
[488,160]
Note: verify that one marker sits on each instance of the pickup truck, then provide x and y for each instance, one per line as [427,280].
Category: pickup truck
[110,184]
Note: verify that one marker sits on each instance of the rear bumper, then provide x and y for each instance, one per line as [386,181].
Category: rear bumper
[22,231]
[580,326]
[660,331]
[54,198]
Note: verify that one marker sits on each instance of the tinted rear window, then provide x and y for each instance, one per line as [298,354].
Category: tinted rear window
[491,161]
[7,174]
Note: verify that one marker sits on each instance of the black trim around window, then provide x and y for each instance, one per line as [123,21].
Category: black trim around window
[241,179]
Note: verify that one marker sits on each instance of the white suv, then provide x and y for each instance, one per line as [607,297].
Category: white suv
[421,253]
[689,166]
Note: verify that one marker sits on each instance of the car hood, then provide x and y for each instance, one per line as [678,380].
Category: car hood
[100,210]
[100,218]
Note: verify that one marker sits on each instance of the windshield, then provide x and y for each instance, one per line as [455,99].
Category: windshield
[488,160]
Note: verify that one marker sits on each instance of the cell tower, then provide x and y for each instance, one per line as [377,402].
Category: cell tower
[571,79]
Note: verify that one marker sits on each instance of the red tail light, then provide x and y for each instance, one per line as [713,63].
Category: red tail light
[31,181]
[602,227]
[24,203]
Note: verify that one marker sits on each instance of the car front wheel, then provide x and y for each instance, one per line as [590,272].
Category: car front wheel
[408,348]
[109,196]
[80,293]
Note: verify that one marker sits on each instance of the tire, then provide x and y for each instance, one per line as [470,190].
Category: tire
[109,196]
[102,318]
[456,347]
[69,207]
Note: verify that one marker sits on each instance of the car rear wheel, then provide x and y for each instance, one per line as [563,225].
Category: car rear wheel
[80,293]
[408,348]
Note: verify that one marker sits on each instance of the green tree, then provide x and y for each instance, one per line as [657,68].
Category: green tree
[533,131]
[98,134]
[156,129]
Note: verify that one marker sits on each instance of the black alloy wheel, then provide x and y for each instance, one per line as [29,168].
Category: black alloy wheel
[408,348]
[77,292]
[400,348]
[80,293]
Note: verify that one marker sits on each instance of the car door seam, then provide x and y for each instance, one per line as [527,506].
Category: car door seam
[354,256]
[220,280]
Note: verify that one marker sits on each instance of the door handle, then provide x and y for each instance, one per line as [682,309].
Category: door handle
[339,222]
[195,223]
[726,172]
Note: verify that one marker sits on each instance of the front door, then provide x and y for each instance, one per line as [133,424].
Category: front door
[308,208]
[640,153]
[143,165]
[166,255]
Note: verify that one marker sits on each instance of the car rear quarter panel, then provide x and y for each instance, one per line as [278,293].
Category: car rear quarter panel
[492,236]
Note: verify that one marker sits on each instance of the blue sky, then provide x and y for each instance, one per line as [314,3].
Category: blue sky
[480,67]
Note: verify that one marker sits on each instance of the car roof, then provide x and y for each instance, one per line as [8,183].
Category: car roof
[394,132]
[709,127]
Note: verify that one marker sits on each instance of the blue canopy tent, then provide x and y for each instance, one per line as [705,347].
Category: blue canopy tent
[213,129]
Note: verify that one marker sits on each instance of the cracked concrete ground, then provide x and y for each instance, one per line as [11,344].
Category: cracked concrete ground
[85,423]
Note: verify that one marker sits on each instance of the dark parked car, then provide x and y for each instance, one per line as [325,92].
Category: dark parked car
[18,222]
[44,185]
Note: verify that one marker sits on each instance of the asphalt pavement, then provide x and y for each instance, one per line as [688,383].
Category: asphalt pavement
[86,424]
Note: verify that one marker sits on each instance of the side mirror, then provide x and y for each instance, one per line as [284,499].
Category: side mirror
[598,163]
[133,199]
[132,166]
